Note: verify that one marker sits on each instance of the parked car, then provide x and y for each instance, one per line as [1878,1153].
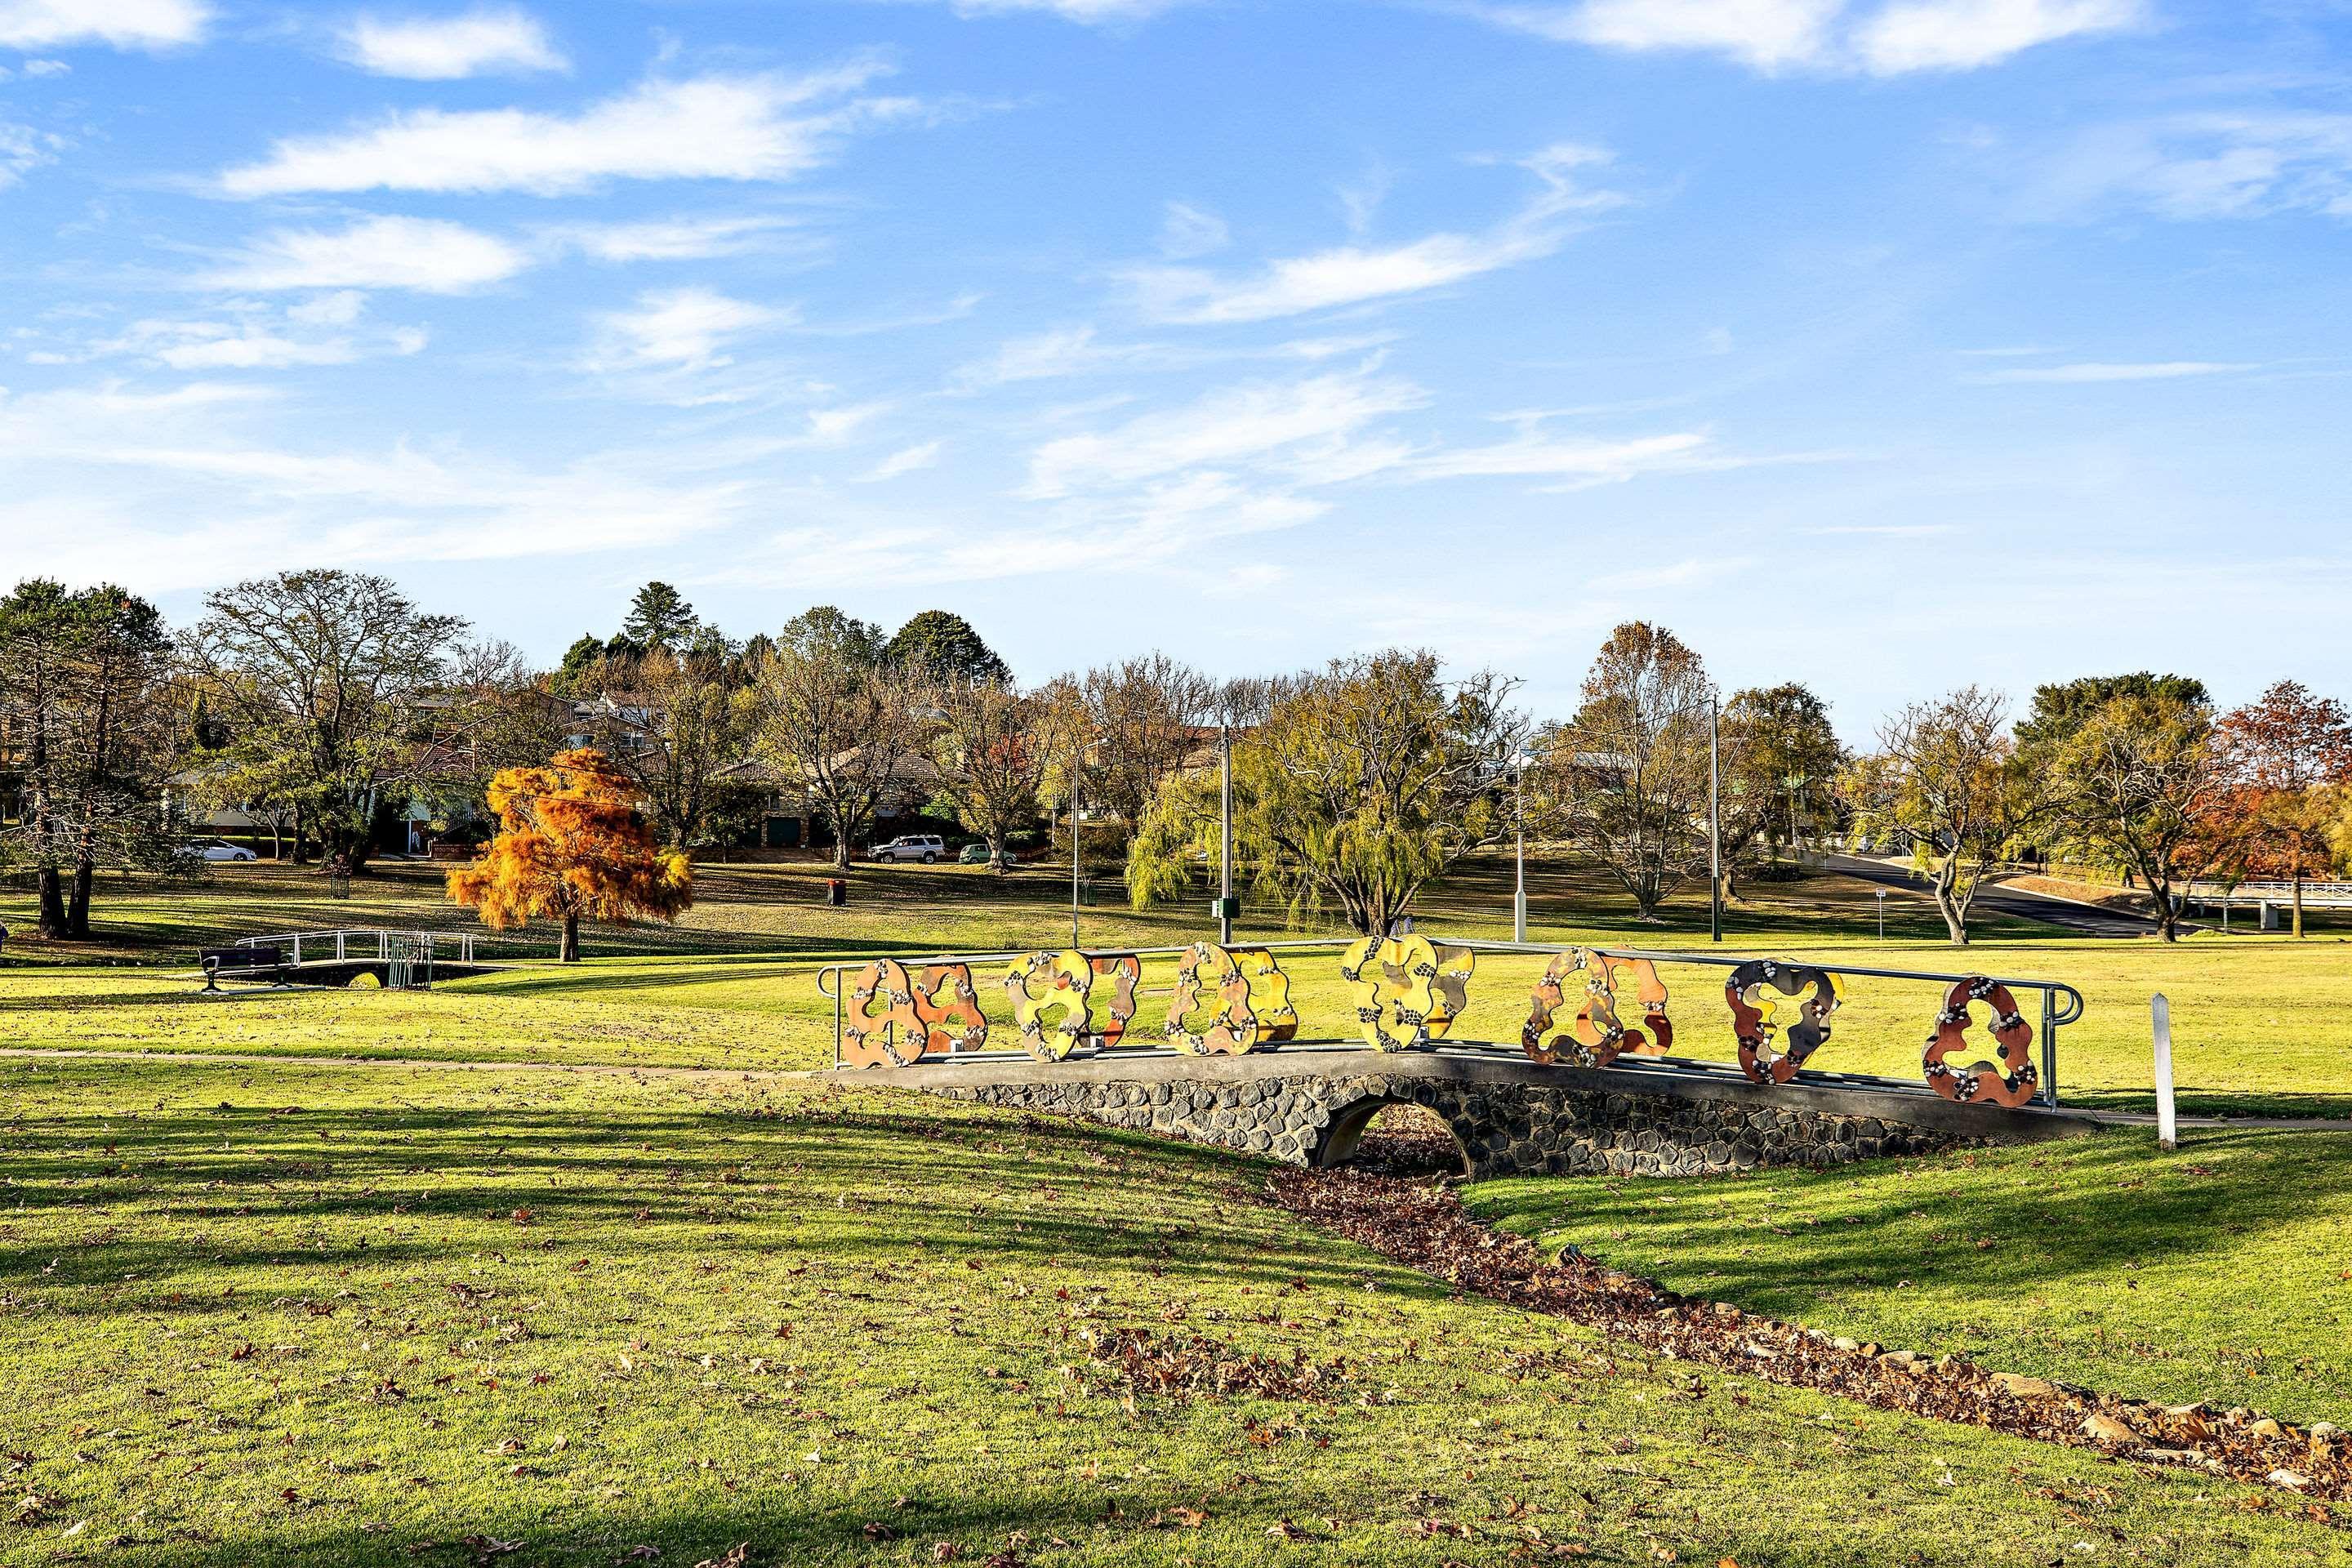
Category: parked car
[927,847]
[214,849]
[977,855]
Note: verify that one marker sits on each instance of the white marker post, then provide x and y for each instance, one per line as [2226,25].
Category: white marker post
[2167,1131]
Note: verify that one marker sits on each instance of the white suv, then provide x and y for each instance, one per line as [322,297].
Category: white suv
[927,847]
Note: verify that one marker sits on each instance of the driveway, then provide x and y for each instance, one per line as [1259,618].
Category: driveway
[2082,919]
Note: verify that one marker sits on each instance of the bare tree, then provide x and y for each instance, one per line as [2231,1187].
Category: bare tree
[839,725]
[1626,779]
[1147,716]
[992,744]
[320,675]
[1946,772]
[675,723]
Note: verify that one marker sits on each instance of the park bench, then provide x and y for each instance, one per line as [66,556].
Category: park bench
[263,965]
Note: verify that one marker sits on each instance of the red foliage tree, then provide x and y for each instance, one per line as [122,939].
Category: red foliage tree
[572,844]
[2289,750]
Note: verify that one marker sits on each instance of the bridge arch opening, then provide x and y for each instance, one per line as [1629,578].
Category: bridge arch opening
[1395,1134]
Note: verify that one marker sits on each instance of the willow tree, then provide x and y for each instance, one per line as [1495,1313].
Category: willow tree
[1365,781]
[572,845]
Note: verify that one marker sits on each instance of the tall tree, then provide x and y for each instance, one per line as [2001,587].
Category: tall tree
[992,744]
[1147,715]
[572,845]
[659,617]
[1364,781]
[2289,752]
[827,630]
[841,726]
[2133,785]
[321,675]
[938,645]
[675,723]
[84,687]
[1784,753]
[1947,773]
[1626,778]
[2062,707]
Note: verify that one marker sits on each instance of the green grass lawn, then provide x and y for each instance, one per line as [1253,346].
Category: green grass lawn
[2259,1023]
[378,1314]
[2219,1272]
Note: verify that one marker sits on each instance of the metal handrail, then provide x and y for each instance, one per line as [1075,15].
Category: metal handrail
[2053,1015]
[382,936]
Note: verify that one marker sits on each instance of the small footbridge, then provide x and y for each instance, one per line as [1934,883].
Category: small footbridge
[398,960]
[1592,1083]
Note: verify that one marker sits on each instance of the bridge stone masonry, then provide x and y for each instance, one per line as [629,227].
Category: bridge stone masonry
[1310,1107]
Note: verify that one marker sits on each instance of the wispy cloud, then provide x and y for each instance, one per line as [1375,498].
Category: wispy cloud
[678,330]
[430,255]
[1187,231]
[123,24]
[1314,418]
[2191,167]
[670,239]
[443,48]
[2088,374]
[1353,275]
[1093,11]
[24,150]
[1774,36]
[328,331]
[908,460]
[763,127]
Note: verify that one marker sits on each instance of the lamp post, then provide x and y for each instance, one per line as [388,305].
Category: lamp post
[1077,762]
[1519,846]
[1714,823]
[1225,836]
[1882,914]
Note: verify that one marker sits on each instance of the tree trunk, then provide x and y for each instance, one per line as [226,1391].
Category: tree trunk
[78,901]
[53,904]
[299,857]
[1948,904]
[568,952]
[840,851]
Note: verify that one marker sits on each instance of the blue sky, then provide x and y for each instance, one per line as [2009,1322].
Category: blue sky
[1883,344]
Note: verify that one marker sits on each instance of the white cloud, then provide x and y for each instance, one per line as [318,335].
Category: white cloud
[765,127]
[123,24]
[1092,11]
[1535,455]
[678,331]
[1045,356]
[1766,34]
[2207,165]
[669,240]
[2091,373]
[248,335]
[443,48]
[429,255]
[1962,35]
[1186,232]
[1310,421]
[24,150]
[1828,35]
[1353,275]
[172,491]
[911,460]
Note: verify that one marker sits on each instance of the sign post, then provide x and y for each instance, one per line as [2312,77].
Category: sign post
[2168,1129]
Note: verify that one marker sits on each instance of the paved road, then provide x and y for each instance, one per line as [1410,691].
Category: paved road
[2079,917]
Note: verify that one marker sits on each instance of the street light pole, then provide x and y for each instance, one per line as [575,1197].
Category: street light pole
[1225,836]
[1077,762]
[1519,848]
[1714,823]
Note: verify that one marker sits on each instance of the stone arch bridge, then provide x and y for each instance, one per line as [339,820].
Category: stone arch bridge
[1310,1106]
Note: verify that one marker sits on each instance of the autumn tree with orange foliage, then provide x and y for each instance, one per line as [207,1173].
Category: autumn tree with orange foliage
[572,844]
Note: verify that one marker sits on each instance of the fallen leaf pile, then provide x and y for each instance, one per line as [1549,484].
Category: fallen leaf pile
[1180,1366]
[1426,1227]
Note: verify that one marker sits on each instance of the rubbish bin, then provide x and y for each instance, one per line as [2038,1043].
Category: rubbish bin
[836,892]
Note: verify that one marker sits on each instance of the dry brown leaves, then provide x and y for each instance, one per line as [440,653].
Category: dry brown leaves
[1425,1228]
[1182,1366]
